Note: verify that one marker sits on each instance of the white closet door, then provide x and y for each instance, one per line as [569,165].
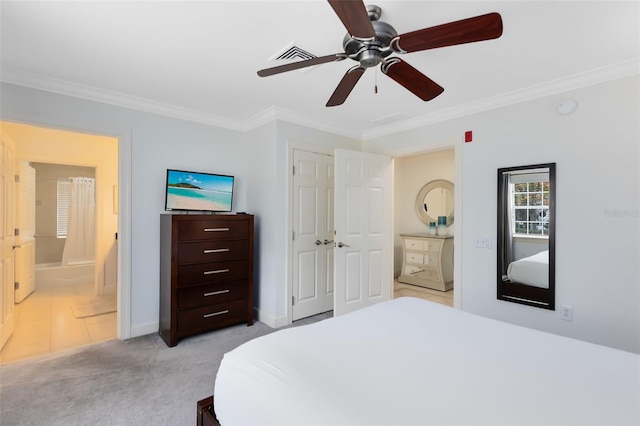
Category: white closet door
[313,234]
[363,222]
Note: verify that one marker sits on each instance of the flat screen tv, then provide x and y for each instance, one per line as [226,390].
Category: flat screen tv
[205,192]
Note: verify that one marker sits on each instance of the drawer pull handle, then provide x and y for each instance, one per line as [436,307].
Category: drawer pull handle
[222,250]
[217,271]
[213,293]
[226,311]
[216,229]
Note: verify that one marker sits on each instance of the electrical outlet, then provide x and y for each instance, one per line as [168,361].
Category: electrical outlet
[566,313]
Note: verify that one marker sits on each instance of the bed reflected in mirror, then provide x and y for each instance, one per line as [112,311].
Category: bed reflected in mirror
[526,235]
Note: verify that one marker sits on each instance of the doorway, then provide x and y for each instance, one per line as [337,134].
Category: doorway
[350,273]
[74,303]
[411,173]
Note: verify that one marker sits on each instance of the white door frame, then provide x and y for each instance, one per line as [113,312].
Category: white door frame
[124,214]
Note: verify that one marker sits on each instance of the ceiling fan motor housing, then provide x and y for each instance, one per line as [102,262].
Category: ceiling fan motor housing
[371,52]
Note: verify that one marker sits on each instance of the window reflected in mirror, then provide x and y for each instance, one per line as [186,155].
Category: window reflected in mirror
[526,235]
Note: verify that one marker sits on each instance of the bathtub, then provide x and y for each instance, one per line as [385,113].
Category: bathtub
[54,274]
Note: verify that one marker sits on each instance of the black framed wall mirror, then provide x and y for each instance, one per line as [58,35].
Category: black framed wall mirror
[526,235]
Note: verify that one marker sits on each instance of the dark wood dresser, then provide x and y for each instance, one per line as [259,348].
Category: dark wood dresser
[206,273]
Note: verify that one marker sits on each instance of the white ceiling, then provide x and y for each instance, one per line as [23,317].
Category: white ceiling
[198,60]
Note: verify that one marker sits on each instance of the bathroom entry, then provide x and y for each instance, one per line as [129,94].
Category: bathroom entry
[47,320]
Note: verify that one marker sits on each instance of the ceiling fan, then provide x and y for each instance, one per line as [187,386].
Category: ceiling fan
[371,42]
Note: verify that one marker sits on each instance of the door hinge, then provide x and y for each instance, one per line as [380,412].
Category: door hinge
[293,300]
[16,232]
[16,179]
[293,235]
[16,285]
[293,170]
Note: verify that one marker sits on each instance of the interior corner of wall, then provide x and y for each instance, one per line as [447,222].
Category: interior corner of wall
[271,321]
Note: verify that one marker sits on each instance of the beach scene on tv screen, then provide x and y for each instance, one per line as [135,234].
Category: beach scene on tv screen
[196,191]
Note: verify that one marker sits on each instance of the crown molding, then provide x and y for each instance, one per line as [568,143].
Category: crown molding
[589,78]
[63,87]
[91,93]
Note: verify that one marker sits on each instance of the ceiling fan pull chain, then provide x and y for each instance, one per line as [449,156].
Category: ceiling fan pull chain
[375,84]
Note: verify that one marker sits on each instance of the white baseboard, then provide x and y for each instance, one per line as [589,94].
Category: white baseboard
[144,329]
[273,322]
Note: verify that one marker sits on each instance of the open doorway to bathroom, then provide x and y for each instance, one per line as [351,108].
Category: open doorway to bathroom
[74,264]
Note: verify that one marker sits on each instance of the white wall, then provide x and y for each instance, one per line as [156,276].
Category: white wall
[257,158]
[598,189]
[596,151]
[157,143]
[411,173]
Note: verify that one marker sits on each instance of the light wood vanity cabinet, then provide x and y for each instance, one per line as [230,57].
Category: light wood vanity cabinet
[206,273]
[427,261]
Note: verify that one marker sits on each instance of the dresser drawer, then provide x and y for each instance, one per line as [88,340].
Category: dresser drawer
[214,272]
[190,230]
[211,317]
[415,258]
[432,260]
[414,244]
[212,251]
[423,245]
[428,274]
[432,245]
[210,294]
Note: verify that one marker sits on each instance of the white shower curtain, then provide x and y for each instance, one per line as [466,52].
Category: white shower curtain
[81,233]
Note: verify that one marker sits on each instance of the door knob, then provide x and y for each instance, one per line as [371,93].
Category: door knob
[341,244]
[318,242]
[327,242]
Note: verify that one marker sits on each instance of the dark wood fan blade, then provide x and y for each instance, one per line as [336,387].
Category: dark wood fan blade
[345,86]
[479,28]
[301,64]
[412,79]
[354,16]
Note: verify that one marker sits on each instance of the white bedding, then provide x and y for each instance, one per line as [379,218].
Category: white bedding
[532,270]
[413,362]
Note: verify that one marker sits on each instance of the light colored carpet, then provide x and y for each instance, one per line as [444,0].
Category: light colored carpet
[97,306]
[139,381]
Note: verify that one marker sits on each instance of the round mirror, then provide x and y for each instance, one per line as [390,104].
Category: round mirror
[435,199]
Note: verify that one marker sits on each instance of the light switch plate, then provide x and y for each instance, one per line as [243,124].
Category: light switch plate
[483,242]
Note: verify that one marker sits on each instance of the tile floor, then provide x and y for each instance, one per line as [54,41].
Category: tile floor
[44,322]
[443,297]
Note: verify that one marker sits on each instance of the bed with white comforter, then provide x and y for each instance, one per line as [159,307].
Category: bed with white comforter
[532,270]
[413,362]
